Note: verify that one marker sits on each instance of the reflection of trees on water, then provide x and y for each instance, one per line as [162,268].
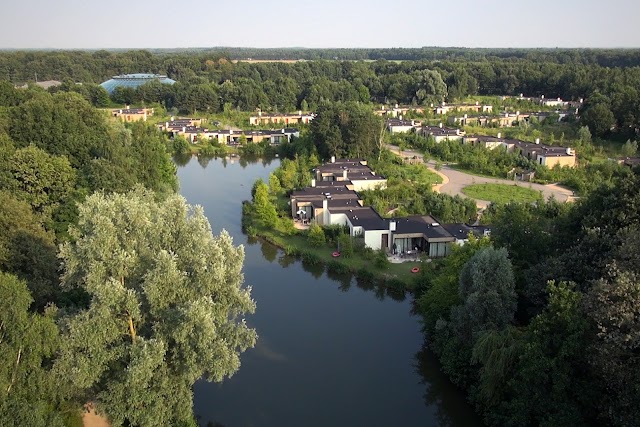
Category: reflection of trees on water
[182,159]
[269,252]
[286,260]
[451,407]
[204,160]
[314,268]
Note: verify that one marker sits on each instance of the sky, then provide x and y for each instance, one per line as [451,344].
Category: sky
[91,24]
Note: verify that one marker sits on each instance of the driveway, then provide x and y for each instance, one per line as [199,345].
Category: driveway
[454,181]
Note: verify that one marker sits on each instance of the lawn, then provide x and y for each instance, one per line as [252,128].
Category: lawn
[501,193]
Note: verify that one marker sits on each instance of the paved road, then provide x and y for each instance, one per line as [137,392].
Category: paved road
[454,181]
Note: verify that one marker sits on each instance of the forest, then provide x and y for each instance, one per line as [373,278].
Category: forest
[538,324]
[210,80]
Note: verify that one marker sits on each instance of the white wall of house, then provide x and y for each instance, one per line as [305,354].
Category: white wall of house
[338,219]
[364,184]
[373,238]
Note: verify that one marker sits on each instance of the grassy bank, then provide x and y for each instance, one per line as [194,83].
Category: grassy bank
[501,193]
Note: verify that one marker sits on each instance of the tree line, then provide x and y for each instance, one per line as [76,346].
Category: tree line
[207,81]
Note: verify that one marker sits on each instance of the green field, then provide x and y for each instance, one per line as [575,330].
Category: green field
[501,193]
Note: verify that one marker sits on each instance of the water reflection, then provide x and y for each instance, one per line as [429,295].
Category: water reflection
[439,390]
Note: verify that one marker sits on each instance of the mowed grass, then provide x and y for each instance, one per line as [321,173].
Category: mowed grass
[502,193]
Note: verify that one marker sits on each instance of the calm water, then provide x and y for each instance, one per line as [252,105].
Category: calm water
[329,352]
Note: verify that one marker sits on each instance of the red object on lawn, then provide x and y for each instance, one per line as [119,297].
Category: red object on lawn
[415,269]
[336,254]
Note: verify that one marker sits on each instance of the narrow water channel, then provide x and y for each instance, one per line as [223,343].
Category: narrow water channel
[329,352]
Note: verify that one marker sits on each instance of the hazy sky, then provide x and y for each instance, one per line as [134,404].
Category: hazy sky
[321,23]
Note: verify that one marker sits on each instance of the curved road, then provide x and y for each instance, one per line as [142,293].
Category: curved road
[454,181]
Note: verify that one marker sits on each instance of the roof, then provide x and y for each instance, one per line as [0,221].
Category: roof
[459,231]
[134,81]
[422,224]
[362,216]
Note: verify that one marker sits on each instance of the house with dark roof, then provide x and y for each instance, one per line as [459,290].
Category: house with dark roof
[361,176]
[542,154]
[332,199]
[440,133]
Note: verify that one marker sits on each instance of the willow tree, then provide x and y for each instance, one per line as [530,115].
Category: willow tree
[166,297]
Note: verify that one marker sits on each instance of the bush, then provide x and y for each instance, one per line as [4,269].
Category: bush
[381,261]
[316,235]
[346,245]
[337,267]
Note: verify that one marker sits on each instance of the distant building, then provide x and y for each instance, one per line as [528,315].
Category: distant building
[134,81]
[285,119]
[449,108]
[132,114]
[542,154]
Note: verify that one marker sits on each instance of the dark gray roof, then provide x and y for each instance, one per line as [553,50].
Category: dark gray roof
[424,224]
[363,216]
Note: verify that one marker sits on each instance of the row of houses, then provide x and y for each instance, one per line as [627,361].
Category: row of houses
[506,119]
[545,155]
[332,199]
[542,154]
[477,107]
[442,109]
[192,130]
[283,119]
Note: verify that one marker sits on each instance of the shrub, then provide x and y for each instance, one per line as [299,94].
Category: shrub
[381,261]
[316,235]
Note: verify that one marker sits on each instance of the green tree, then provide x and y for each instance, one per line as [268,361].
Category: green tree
[443,292]
[28,393]
[43,181]
[274,184]
[165,300]
[630,148]
[264,209]
[540,378]
[316,235]
[613,308]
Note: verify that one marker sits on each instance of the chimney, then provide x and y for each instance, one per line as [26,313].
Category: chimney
[172,118]
[333,159]
[517,113]
[344,174]
[400,117]
[477,103]
[521,95]
[325,203]
[126,107]
[313,182]
[259,113]
[537,140]
[541,96]
[392,225]
[440,125]
[569,151]
[499,135]
[184,129]
[299,112]
[466,116]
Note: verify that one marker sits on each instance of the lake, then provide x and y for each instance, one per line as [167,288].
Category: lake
[330,352]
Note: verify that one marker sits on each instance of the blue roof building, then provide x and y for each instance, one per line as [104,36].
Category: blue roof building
[134,81]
